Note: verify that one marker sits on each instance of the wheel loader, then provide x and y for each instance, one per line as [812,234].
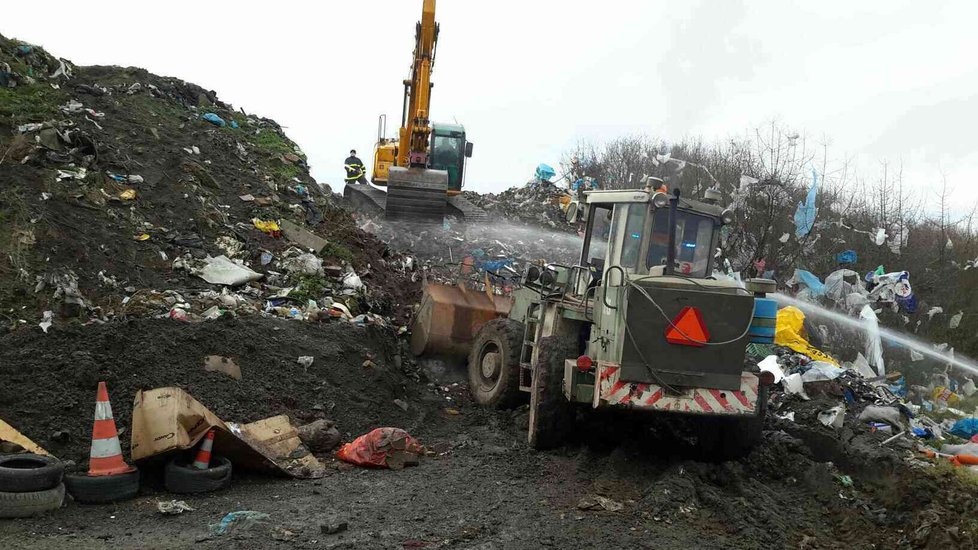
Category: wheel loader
[638,323]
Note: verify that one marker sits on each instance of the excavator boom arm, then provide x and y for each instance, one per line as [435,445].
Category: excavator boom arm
[416,128]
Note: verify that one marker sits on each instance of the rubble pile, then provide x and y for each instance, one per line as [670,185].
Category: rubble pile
[126,194]
[468,252]
[537,203]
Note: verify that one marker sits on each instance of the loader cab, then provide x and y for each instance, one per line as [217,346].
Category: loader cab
[627,234]
[449,149]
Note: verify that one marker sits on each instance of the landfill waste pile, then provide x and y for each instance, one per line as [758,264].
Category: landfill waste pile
[472,252]
[125,194]
[538,203]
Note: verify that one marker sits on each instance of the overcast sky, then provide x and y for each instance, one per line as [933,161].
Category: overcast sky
[894,80]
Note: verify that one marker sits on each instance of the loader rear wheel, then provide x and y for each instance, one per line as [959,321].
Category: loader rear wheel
[729,438]
[494,364]
[551,414]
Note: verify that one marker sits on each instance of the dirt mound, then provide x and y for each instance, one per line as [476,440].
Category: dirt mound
[50,379]
[114,180]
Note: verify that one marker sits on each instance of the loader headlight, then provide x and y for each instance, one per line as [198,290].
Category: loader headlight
[660,200]
[727,217]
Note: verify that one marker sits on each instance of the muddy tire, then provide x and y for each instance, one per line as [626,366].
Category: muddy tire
[25,473]
[494,364]
[31,503]
[180,477]
[88,489]
[732,438]
[551,414]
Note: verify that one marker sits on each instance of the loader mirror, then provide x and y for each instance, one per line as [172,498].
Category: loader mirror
[468,149]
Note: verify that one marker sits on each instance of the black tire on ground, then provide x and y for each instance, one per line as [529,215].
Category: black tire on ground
[102,489]
[180,477]
[22,505]
[25,473]
[498,341]
[551,414]
[732,438]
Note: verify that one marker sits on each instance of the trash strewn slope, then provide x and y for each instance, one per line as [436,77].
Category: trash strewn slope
[117,185]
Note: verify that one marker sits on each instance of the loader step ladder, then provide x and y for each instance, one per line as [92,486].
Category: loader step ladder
[532,328]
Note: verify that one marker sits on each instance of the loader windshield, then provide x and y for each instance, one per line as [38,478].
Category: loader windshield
[694,242]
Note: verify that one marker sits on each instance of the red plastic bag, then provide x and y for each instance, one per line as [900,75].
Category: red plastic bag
[382,448]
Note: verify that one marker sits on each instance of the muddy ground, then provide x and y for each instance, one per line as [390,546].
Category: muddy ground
[488,490]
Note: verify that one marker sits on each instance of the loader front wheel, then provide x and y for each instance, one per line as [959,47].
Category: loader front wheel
[494,364]
[551,414]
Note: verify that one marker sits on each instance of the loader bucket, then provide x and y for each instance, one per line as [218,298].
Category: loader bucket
[450,316]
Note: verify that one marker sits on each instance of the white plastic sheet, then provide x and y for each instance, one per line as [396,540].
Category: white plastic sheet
[770,364]
[220,270]
[874,346]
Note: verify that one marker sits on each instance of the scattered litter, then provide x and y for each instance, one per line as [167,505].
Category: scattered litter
[305,361]
[220,270]
[383,447]
[890,415]
[834,417]
[173,507]
[956,320]
[598,502]
[238,520]
[770,364]
[217,363]
[46,321]
[214,119]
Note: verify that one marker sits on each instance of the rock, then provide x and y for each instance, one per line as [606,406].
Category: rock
[401,403]
[320,436]
[334,528]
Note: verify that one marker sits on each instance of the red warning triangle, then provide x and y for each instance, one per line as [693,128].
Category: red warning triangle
[687,329]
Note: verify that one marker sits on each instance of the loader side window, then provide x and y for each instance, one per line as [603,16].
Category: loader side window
[694,242]
[627,225]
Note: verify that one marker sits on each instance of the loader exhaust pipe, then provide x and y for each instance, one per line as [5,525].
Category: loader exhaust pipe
[671,253]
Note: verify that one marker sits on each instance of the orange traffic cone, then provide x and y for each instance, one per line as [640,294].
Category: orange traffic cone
[203,460]
[106,455]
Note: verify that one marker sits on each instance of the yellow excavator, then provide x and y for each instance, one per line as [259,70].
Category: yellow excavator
[424,167]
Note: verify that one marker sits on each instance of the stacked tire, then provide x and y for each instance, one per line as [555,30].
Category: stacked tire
[30,484]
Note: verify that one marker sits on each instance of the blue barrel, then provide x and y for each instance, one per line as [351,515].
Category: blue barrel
[765,321]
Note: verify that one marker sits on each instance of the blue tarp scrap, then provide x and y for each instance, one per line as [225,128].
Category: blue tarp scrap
[809,279]
[965,428]
[805,214]
[214,119]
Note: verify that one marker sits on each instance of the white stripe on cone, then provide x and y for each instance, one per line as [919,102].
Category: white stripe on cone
[104,448]
[103,410]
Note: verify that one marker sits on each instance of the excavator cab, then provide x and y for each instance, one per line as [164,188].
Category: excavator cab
[449,149]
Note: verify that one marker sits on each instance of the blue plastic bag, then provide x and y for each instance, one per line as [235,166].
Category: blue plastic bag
[846,257]
[805,214]
[965,428]
[234,124]
[214,119]
[545,172]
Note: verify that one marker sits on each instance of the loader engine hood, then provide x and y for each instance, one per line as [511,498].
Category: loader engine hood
[697,340]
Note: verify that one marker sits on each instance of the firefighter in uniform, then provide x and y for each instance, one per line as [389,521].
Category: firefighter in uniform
[355,172]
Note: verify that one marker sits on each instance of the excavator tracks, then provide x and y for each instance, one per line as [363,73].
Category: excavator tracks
[413,194]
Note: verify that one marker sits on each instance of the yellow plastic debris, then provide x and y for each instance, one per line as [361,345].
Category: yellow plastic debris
[128,195]
[270,227]
[790,332]
[143,237]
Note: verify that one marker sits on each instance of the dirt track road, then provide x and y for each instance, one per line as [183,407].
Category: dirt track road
[492,492]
